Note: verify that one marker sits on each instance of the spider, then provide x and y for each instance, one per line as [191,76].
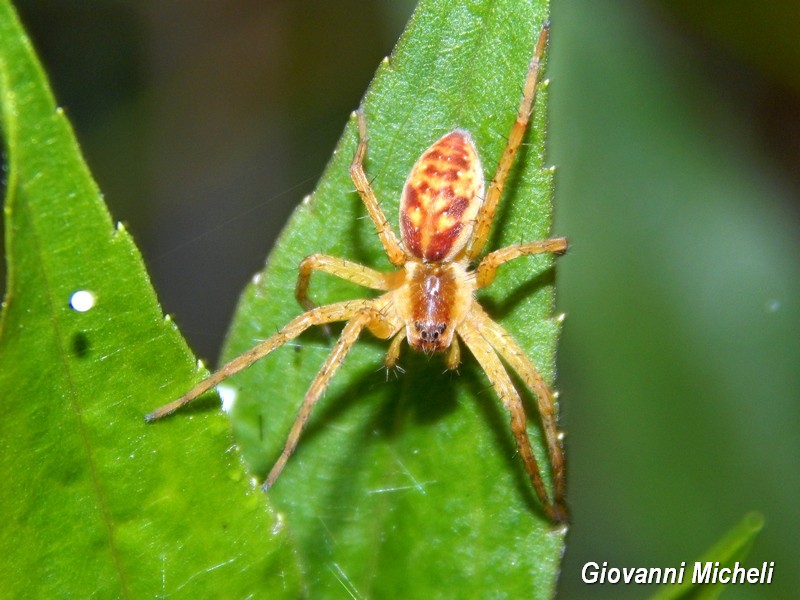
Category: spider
[429,301]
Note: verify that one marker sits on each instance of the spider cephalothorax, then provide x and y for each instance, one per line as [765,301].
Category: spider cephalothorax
[445,221]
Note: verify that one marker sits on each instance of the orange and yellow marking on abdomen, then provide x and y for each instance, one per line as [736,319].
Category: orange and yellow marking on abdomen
[441,198]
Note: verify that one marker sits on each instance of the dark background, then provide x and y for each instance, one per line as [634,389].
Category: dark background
[676,130]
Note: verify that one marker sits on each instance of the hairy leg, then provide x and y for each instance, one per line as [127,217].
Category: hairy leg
[454,355]
[393,353]
[341,311]
[344,269]
[394,250]
[486,215]
[349,336]
[487,268]
[510,351]
[498,376]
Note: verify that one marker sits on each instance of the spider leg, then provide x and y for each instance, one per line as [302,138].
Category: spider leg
[339,267]
[510,351]
[340,311]
[453,355]
[367,316]
[486,215]
[394,250]
[488,266]
[393,353]
[471,333]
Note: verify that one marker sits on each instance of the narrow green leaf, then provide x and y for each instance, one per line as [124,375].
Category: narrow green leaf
[94,502]
[408,484]
[733,547]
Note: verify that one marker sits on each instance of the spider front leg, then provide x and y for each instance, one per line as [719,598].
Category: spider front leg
[471,334]
[344,269]
[485,217]
[341,311]
[488,266]
[397,256]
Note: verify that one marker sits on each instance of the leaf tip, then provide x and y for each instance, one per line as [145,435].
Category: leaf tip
[754,521]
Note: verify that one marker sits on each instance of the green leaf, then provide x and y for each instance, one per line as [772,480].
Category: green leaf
[733,547]
[408,484]
[94,502]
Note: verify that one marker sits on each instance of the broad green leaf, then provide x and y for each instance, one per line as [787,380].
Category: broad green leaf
[94,502]
[408,484]
[733,547]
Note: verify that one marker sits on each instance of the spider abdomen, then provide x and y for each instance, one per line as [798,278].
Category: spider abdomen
[441,198]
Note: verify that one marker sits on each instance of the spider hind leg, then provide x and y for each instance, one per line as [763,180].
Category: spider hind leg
[471,332]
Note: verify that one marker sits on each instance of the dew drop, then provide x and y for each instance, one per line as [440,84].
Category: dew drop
[228,396]
[82,300]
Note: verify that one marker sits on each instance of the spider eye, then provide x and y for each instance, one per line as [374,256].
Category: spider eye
[429,332]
